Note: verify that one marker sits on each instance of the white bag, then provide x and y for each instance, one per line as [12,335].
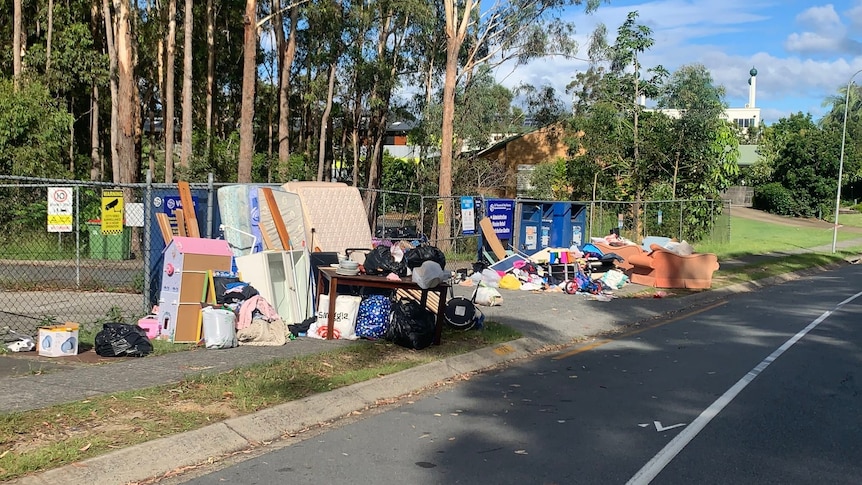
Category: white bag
[346,310]
[488,296]
[219,328]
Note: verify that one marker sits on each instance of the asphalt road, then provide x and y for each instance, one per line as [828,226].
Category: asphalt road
[760,388]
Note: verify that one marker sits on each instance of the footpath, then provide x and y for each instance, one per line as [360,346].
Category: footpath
[546,320]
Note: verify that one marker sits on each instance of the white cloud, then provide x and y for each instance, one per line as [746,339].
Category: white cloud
[820,19]
[854,15]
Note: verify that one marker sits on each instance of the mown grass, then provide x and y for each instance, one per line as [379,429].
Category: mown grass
[48,438]
[750,237]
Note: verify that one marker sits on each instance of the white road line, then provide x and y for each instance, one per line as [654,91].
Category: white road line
[649,471]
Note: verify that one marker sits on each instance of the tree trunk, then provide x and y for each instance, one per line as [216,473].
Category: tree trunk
[324,120]
[447,134]
[96,171]
[210,74]
[49,36]
[284,95]
[17,22]
[168,112]
[186,152]
[456,32]
[249,78]
[110,27]
[128,106]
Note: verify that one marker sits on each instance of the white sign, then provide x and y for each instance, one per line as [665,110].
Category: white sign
[60,209]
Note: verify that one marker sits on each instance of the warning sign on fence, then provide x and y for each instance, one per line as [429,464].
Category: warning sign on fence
[60,209]
[112,212]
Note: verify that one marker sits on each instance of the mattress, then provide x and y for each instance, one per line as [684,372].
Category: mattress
[290,210]
[335,218]
[240,216]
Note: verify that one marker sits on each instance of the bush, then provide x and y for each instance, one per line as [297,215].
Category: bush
[774,198]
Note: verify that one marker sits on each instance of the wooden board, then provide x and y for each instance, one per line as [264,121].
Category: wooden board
[276,217]
[181,222]
[165,227]
[492,239]
[188,209]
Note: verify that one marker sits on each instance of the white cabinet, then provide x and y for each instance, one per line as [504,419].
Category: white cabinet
[283,279]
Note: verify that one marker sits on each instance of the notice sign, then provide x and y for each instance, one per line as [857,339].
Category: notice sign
[112,212]
[441,212]
[468,217]
[501,212]
[60,209]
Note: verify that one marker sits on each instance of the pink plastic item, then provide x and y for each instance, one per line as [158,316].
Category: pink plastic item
[151,325]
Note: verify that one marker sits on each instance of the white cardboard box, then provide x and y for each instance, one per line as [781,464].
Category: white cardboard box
[58,340]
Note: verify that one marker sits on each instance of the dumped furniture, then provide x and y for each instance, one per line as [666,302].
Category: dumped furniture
[335,279]
[624,251]
[662,268]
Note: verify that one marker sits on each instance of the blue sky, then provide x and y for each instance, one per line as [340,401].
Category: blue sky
[804,51]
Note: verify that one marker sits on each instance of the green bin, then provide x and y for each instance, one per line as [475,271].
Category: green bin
[109,246]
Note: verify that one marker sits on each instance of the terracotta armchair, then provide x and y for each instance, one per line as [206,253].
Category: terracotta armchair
[625,252]
[665,269]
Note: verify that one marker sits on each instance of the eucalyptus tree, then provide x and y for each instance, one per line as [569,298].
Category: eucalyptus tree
[168,114]
[508,30]
[834,121]
[704,150]
[188,26]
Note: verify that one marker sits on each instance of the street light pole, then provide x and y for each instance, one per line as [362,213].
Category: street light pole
[841,160]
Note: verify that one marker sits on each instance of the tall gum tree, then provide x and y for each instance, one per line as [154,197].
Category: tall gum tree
[515,30]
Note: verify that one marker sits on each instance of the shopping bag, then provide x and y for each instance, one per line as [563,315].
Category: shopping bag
[344,326]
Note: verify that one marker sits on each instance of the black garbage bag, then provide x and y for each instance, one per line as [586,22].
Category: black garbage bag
[424,252]
[122,340]
[411,325]
[379,261]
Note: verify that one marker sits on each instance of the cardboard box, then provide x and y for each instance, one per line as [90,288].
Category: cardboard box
[58,340]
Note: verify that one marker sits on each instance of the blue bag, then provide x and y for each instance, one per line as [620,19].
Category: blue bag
[372,318]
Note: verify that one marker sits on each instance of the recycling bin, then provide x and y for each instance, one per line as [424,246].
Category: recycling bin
[109,246]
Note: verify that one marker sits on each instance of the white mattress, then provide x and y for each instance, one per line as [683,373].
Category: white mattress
[336,214]
[290,209]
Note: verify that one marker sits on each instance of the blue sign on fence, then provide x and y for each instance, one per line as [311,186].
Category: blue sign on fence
[501,213]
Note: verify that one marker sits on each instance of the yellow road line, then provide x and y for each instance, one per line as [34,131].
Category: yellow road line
[630,333]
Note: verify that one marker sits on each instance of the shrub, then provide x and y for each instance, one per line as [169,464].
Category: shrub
[774,198]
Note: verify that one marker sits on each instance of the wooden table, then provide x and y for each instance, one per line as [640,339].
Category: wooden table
[335,279]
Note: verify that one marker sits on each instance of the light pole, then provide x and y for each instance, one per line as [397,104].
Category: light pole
[841,160]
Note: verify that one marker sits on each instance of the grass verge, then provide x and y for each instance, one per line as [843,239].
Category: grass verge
[47,438]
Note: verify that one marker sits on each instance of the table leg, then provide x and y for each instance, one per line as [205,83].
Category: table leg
[333,295]
[441,312]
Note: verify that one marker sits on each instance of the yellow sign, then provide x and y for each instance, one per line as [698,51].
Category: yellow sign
[112,212]
[441,212]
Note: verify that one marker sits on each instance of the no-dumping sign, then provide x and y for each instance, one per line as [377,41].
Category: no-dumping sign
[60,209]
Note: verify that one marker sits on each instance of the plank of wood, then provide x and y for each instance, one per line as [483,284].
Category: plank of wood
[268,243]
[276,217]
[492,239]
[189,209]
[165,227]
[181,222]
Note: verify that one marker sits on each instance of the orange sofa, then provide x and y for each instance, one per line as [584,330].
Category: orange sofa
[625,252]
[665,269]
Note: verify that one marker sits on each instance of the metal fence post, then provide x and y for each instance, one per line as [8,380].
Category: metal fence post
[210,198]
[148,215]
[77,190]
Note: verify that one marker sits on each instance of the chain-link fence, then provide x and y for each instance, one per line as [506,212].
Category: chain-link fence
[691,220]
[91,272]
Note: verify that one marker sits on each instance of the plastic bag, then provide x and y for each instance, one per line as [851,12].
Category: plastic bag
[488,296]
[425,252]
[429,275]
[380,261]
[122,340]
[219,328]
[412,325]
[510,282]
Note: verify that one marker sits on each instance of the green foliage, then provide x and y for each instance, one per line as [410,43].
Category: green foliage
[34,131]
[775,198]
[549,181]
[808,167]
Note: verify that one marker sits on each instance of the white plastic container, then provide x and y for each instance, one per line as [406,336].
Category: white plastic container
[219,328]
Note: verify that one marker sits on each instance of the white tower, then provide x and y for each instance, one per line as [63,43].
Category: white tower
[752,87]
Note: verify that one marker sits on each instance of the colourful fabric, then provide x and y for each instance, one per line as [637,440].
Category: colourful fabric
[373,318]
[246,311]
